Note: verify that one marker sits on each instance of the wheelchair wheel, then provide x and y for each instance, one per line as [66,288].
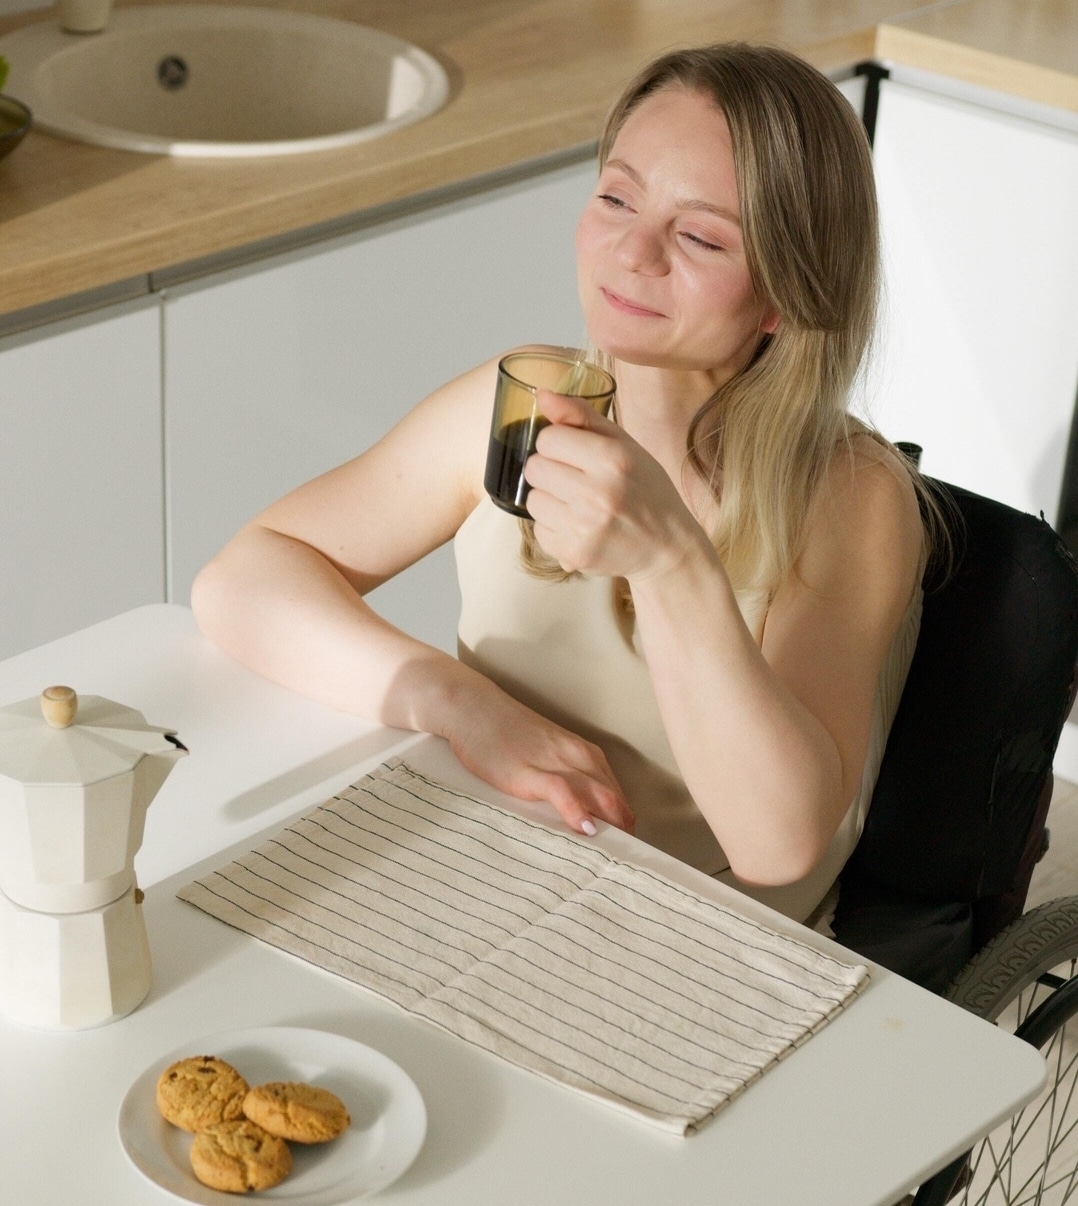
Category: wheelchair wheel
[1024,980]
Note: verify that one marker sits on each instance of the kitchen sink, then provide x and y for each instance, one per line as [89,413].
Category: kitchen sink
[221,80]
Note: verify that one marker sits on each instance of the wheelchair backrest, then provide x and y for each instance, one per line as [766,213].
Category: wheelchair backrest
[987,695]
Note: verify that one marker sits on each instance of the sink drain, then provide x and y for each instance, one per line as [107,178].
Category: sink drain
[172,72]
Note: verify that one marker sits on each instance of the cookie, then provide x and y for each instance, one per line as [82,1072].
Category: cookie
[200,1091]
[300,1112]
[237,1156]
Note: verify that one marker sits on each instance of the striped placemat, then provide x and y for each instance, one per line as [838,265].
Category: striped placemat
[535,945]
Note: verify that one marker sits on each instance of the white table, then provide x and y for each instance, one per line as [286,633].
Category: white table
[887,1093]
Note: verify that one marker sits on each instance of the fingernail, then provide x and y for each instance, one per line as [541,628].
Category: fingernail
[589,827]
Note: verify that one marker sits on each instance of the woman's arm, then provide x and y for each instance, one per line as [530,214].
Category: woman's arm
[770,740]
[774,744]
[285,597]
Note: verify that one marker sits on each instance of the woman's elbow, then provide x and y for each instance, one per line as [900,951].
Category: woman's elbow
[213,596]
[781,861]
[796,821]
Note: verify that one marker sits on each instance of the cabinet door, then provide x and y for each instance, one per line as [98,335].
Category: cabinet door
[979,351]
[276,374]
[852,88]
[81,491]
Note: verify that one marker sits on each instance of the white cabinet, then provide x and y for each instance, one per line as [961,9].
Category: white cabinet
[978,359]
[853,88]
[978,356]
[81,533]
[277,373]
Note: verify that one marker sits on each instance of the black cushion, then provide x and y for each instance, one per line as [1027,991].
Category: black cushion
[981,712]
[973,739]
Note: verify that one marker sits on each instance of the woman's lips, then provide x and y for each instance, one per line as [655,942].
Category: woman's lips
[628,307]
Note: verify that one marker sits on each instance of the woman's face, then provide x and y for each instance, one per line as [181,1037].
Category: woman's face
[660,260]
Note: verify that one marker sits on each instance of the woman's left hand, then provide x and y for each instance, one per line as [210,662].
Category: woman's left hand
[601,504]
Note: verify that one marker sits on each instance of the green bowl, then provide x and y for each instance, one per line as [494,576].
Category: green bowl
[15,120]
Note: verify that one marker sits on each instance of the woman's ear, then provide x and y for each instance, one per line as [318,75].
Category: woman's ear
[770,322]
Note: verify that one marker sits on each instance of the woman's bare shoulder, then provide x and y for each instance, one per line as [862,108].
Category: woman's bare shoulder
[457,414]
[406,494]
[866,469]
[455,417]
[473,390]
[866,521]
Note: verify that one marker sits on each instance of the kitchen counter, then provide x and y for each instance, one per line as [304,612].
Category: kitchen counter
[531,81]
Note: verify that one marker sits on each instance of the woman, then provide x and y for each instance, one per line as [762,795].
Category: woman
[705,629]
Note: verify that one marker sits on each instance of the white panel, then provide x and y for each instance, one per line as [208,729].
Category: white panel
[979,352]
[275,375]
[81,529]
[853,89]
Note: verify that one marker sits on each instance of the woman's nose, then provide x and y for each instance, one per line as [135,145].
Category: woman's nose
[641,249]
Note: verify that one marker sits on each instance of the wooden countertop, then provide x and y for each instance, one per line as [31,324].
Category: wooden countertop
[530,79]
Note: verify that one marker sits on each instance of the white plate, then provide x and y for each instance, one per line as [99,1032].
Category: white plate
[389,1120]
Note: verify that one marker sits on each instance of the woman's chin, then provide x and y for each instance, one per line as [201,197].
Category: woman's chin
[628,351]
[644,357]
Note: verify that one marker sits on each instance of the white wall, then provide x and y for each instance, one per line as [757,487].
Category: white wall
[19,6]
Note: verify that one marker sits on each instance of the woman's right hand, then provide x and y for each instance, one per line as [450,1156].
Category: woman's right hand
[527,756]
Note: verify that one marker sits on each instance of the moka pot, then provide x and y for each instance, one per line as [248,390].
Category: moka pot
[76,778]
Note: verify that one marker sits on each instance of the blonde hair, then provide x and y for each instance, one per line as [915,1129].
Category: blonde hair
[807,201]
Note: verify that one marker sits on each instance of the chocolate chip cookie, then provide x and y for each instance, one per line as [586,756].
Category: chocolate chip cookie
[300,1112]
[237,1156]
[200,1091]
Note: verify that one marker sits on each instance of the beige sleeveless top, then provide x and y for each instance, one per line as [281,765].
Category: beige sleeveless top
[570,651]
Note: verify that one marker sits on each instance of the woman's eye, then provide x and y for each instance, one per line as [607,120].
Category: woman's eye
[611,200]
[701,242]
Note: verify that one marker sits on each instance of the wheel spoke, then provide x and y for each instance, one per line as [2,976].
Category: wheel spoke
[998,1156]
[1064,1131]
[1024,1004]
[1033,1157]
[1072,1183]
[1052,1098]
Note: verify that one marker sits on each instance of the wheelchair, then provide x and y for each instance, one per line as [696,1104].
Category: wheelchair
[936,887]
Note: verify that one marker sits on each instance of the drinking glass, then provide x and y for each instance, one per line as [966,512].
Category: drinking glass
[517,419]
